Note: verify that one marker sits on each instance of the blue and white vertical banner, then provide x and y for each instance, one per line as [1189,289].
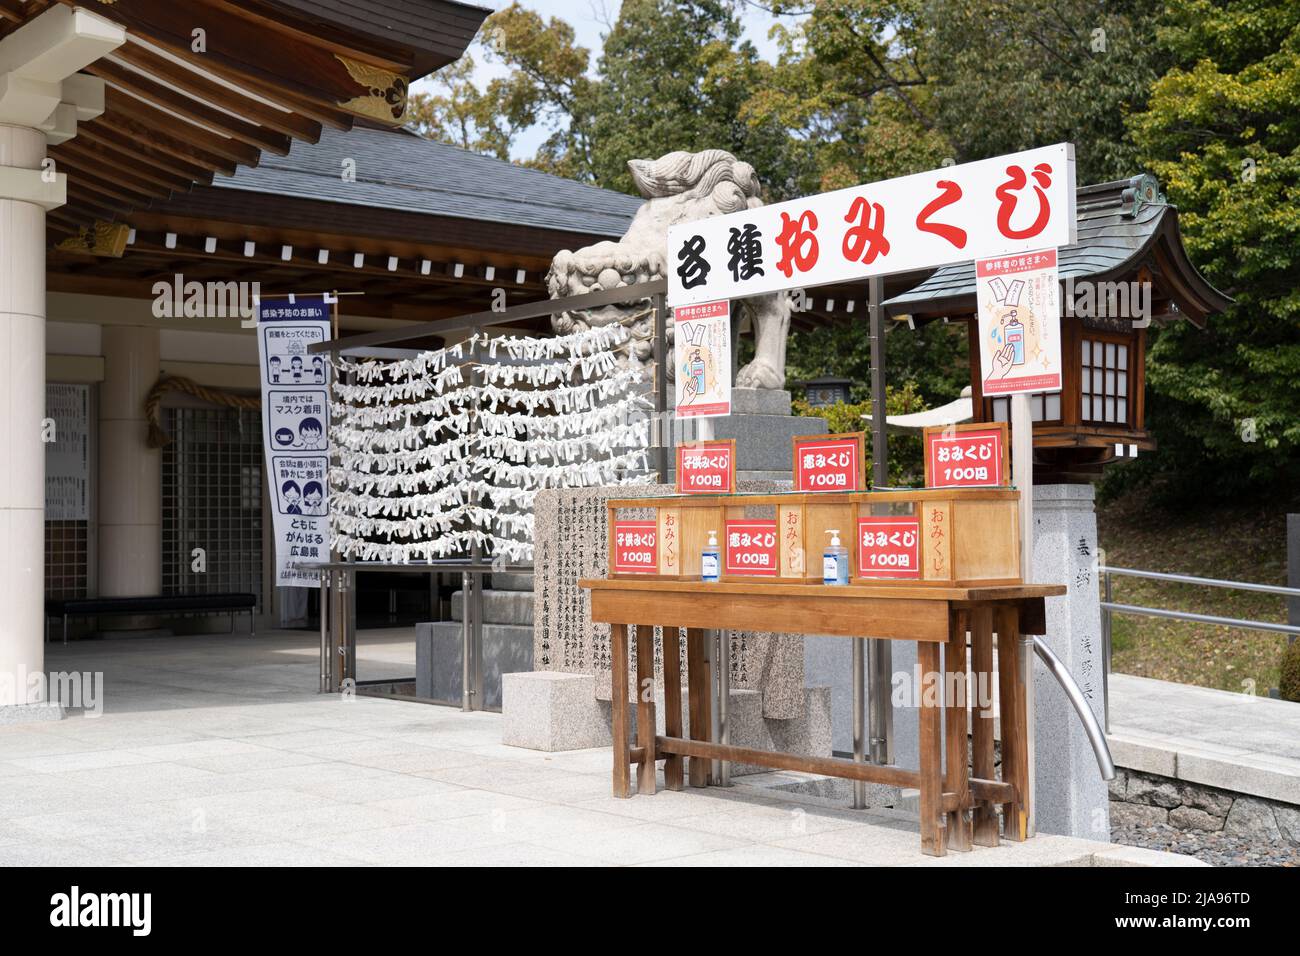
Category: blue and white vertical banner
[295,430]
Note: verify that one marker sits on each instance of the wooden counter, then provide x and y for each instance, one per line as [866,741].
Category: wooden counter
[928,614]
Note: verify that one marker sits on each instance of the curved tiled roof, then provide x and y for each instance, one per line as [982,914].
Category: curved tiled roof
[396,169]
[1118,224]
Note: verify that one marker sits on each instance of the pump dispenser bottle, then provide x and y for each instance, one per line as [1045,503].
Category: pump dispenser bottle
[710,560]
[835,560]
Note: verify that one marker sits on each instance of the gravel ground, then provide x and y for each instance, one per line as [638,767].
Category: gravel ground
[1218,849]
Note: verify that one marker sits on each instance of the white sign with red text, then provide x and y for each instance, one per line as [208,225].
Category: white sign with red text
[636,547]
[994,207]
[970,458]
[1018,298]
[889,547]
[751,548]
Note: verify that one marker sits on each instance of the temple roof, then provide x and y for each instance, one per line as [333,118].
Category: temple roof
[396,169]
[1123,226]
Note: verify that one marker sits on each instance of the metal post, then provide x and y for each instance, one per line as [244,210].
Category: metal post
[859,751]
[1292,570]
[880,655]
[1022,468]
[466,644]
[663,437]
[350,658]
[724,699]
[715,732]
[1026,647]
[1105,647]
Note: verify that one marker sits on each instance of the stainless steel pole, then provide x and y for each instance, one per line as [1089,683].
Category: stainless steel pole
[1026,647]
[881,718]
[466,644]
[715,714]
[664,436]
[1022,469]
[859,693]
[324,632]
[724,699]
[1106,623]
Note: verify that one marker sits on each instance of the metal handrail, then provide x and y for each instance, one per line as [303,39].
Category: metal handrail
[1207,582]
[1096,736]
[1109,607]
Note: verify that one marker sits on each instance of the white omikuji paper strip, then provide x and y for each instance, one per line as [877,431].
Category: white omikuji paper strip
[425,445]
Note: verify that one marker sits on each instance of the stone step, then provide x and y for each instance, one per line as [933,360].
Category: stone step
[500,607]
[512,581]
[438,660]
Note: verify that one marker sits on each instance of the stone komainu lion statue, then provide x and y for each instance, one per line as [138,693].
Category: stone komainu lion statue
[679,187]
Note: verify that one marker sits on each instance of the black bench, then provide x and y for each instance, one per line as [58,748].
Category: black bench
[150,604]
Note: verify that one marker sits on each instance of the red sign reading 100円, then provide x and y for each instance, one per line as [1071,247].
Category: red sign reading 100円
[828,463]
[889,548]
[636,547]
[707,468]
[964,459]
[751,548]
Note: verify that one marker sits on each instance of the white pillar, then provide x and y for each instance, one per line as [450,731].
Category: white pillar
[130,472]
[22,409]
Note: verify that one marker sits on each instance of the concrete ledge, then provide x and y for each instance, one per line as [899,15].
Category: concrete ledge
[29,713]
[1137,856]
[1273,778]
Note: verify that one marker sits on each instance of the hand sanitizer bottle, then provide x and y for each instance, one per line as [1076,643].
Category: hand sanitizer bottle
[710,563]
[835,560]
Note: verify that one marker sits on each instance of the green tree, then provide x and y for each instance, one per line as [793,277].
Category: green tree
[1016,74]
[676,74]
[1222,133]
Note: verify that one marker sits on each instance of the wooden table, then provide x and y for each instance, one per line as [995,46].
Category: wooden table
[932,616]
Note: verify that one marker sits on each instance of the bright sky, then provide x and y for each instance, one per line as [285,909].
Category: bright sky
[590,20]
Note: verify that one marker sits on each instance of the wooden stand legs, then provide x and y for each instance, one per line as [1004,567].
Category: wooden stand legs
[956,778]
[618,710]
[985,818]
[672,704]
[699,701]
[1011,694]
[931,754]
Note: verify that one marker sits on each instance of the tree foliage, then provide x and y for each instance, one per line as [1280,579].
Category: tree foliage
[1223,135]
[1201,92]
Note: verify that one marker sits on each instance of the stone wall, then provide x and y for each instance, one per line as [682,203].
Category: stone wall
[1146,799]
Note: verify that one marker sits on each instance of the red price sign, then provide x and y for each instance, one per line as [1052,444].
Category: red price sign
[707,468]
[889,547]
[751,548]
[636,547]
[964,459]
[824,463]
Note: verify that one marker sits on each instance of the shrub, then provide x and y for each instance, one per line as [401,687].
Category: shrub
[1289,685]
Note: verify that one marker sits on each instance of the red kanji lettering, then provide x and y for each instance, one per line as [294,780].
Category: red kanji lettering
[798,244]
[1007,201]
[949,194]
[866,240]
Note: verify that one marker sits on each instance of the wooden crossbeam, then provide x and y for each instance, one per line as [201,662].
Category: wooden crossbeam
[209,91]
[192,109]
[829,766]
[138,119]
[237,47]
[171,164]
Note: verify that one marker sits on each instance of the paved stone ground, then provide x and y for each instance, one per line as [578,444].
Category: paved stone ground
[217,751]
[1255,731]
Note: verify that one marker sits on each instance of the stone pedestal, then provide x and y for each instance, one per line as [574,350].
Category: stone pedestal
[507,643]
[1072,797]
[763,427]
